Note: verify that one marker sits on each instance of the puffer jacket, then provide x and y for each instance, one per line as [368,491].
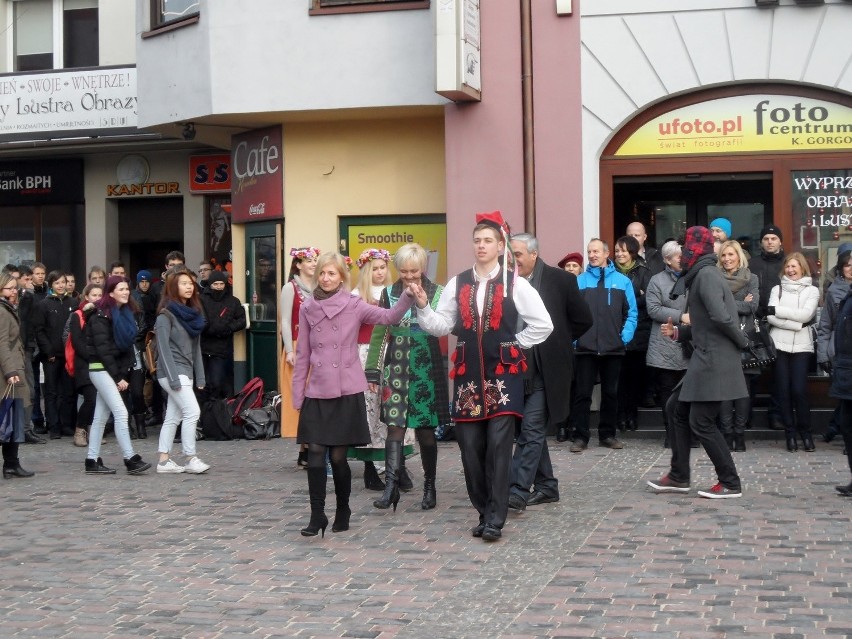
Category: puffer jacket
[795,303]
[834,296]
[610,297]
[103,352]
[664,352]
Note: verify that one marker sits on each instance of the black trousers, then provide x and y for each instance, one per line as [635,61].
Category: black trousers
[791,381]
[587,368]
[486,454]
[531,463]
[845,424]
[86,412]
[699,420]
[60,400]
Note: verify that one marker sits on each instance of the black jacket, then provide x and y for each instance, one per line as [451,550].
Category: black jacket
[768,270]
[841,376]
[571,318]
[101,348]
[640,277]
[654,260]
[225,316]
[27,303]
[147,303]
[79,339]
[49,318]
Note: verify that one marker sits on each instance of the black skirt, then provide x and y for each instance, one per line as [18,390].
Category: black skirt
[341,421]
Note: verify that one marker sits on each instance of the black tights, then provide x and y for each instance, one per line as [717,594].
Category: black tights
[428,446]
[316,457]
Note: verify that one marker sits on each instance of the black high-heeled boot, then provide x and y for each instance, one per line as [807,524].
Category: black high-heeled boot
[372,481]
[316,490]
[429,456]
[141,432]
[393,457]
[342,490]
[403,479]
[807,441]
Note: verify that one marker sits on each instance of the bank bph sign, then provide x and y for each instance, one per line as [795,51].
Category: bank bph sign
[257,176]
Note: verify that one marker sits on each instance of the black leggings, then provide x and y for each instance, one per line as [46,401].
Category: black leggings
[425,436]
[316,457]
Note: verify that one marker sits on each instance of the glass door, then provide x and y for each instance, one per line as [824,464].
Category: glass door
[263,242]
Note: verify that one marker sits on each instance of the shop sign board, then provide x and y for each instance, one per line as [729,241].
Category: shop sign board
[745,123]
[458,52]
[210,173]
[431,236]
[257,166]
[64,103]
[43,182]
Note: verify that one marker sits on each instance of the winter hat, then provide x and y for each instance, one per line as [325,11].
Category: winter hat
[698,242]
[846,246]
[571,257]
[143,276]
[722,223]
[771,229]
[217,276]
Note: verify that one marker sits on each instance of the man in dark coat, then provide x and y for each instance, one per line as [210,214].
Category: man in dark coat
[225,316]
[768,264]
[548,376]
[714,372]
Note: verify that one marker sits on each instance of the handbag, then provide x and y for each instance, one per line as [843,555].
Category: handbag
[760,351]
[150,354]
[11,416]
[261,423]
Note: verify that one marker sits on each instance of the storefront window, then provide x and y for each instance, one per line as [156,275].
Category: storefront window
[822,217]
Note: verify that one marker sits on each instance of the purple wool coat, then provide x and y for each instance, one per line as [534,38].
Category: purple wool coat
[327,362]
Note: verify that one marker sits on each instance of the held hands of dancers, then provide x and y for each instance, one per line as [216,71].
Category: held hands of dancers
[419,294]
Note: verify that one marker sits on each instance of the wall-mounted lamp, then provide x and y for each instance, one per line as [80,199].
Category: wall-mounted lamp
[188,132]
[563,7]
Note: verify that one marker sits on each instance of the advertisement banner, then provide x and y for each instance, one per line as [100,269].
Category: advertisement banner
[432,237]
[257,166]
[66,102]
[45,182]
[210,173]
[745,123]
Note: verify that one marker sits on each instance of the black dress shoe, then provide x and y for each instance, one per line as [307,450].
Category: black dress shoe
[791,444]
[846,491]
[11,472]
[517,503]
[31,438]
[56,435]
[539,497]
[491,533]
[40,429]
[562,435]
[477,530]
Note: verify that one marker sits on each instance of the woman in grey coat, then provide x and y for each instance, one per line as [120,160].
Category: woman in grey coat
[665,355]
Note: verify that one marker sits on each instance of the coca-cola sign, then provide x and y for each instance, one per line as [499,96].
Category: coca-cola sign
[257,186]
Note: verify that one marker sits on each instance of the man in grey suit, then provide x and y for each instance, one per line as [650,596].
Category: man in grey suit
[714,372]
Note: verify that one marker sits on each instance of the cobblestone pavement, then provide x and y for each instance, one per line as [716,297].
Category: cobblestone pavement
[220,555]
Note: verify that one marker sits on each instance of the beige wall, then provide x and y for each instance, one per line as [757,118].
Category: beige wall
[388,167]
[117,32]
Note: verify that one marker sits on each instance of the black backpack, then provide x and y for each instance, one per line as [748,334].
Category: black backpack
[216,422]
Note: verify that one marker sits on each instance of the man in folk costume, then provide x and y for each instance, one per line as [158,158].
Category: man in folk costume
[482,307]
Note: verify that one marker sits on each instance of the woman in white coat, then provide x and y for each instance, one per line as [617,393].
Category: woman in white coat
[791,311]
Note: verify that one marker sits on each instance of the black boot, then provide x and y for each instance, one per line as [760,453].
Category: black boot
[316,490]
[740,425]
[393,464]
[562,434]
[429,456]
[140,426]
[807,441]
[372,481]
[342,489]
[131,428]
[791,442]
[739,443]
[729,440]
[403,478]
[12,469]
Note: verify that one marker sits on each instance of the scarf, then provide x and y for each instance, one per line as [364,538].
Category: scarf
[739,280]
[191,319]
[685,280]
[304,288]
[624,270]
[124,327]
[320,294]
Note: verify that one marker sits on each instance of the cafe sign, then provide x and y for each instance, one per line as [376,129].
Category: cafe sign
[745,123]
[257,176]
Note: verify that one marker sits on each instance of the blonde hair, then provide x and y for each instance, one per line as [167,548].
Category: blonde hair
[738,249]
[803,262]
[410,253]
[365,280]
[338,260]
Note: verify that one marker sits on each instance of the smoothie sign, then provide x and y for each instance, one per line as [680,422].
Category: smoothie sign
[745,123]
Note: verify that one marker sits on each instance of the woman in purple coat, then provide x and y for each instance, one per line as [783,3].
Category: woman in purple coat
[329,383]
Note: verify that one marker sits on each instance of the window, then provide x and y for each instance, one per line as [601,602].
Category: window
[170,11]
[319,7]
[43,42]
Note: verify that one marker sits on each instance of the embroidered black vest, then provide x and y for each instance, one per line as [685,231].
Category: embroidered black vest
[488,363]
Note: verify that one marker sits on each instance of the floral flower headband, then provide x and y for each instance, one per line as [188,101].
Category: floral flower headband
[373,254]
[305,252]
[348,261]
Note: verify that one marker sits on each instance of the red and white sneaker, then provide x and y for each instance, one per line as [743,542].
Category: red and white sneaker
[720,492]
[668,485]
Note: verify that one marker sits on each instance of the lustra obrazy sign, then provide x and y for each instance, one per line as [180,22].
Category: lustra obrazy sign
[745,123]
[257,176]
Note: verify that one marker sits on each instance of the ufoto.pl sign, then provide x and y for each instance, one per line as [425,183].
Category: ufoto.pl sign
[745,123]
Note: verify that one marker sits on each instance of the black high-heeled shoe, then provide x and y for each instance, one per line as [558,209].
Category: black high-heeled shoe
[315,526]
[341,520]
[792,446]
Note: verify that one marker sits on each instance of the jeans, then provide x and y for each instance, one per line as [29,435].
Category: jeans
[531,461]
[791,379]
[486,453]
[698,419]
[219,375]
[182,406]
[109,400]
[586,370]
[60,401]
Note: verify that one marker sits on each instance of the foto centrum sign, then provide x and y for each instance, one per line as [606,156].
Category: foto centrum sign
[745,123]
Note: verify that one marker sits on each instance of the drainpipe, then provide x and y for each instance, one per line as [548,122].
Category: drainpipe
[527,106]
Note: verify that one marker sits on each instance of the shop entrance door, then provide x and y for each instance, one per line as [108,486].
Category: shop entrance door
[668,205]
[263,243]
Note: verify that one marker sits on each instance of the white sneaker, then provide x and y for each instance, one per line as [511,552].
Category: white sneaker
[169,466]
[196,466]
